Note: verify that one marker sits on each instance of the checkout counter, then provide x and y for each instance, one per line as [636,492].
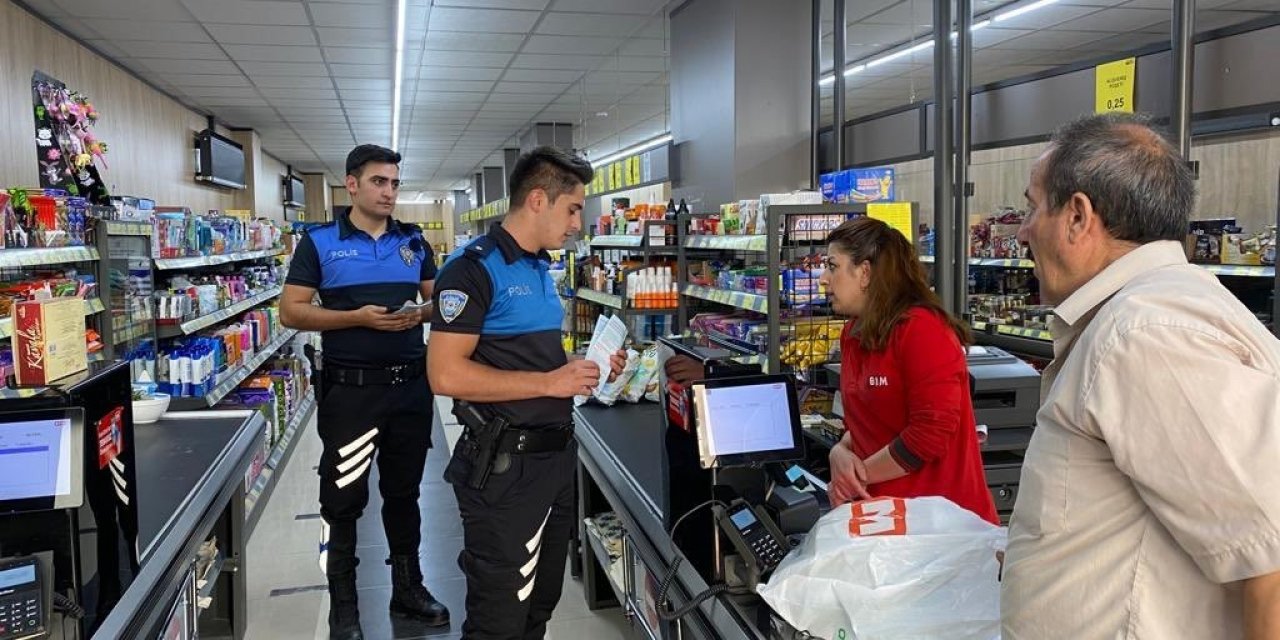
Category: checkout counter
[633,465]
[109,547]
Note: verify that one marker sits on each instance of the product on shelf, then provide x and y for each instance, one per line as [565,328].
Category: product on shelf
[625,219]
[130,208]
[997,236]
[44,218]
[1222,241]
[48,340]
[179,233]
[190,296]
[192,366]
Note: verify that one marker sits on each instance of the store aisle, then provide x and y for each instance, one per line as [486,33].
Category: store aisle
[287,595]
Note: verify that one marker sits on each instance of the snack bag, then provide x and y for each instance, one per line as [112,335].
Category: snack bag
[607,393]
[645,372]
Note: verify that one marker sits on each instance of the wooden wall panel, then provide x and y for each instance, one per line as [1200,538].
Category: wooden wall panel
[269,189]
[149,134]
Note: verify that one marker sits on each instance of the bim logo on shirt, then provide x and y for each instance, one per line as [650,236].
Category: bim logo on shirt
[878,381]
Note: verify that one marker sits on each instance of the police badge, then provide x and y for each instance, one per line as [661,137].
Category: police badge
[452,302]
[406,254]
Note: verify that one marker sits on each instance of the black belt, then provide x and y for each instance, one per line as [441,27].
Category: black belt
[393,374]
[548,440]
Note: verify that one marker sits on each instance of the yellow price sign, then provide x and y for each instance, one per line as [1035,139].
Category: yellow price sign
[894,214]
[1113,86]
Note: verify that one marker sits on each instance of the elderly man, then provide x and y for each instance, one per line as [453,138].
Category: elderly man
[1150,497]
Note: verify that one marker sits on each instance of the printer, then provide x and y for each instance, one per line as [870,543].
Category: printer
[1005,390]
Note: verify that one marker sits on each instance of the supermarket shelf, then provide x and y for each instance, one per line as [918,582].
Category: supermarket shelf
[266,481]
[1240,270]
[606,562]
[731,343]
[1023,332]
[758,359]
[233,377]
[128,228]
[1008,263]
[739,299]
[140,330]
[617,241]
[599,297]
[209,581]
[91,306]
[1016,344]
[756,243]
[209,261]
[10,258]
[196,324]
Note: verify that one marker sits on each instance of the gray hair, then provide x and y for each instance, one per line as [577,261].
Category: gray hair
[1138,183]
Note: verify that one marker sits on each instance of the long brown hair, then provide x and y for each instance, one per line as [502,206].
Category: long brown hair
[898,280]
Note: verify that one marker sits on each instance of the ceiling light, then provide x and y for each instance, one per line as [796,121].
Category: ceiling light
[395,92]
[643,146]
[1023,9]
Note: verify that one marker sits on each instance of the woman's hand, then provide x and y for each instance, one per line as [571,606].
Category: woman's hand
[848,474]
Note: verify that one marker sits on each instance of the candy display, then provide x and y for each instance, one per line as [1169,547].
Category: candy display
[44,218]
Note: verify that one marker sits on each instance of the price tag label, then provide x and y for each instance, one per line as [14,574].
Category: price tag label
[1113,86]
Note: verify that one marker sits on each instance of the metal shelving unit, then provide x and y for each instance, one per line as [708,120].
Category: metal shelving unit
[169,264]
[91,306]
[195,324]
[280,453]
[644,247]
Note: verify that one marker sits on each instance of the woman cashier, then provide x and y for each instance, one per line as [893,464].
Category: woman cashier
[904,383]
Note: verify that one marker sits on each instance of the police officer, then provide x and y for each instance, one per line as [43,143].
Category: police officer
[495,343]
[375,400]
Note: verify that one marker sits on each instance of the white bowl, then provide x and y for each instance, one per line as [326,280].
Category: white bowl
[148,411]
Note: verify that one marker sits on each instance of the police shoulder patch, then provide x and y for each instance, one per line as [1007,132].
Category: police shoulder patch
[452,302]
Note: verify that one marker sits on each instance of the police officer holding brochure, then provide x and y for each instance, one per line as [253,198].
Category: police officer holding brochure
[496,349]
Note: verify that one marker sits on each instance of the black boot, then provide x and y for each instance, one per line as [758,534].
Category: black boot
[409,598]
[344,612]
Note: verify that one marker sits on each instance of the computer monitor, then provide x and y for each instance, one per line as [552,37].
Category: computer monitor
[747,420]
[41,460]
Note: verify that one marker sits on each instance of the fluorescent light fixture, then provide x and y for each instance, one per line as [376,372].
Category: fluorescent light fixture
[900,54]
[1013,13]
[395,92]
[643,146]
[826,80]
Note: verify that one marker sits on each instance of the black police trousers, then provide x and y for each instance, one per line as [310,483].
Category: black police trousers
[516,535]
[358,424]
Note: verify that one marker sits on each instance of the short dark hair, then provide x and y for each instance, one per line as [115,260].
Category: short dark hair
[366,153]
[1138,182]
[551,169]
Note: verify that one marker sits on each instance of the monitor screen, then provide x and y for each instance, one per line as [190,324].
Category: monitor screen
[41,460]
[747,420]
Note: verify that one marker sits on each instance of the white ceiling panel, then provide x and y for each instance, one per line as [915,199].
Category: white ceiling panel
[1116,44]
[449,98]
[472,86]
[295,69]
[542,75]
[543,61]
[485,20]
[991,36]
[203,80]
[903,14]
[474,59]
[453,41]
[295,82]
[1046,17]
[1055,39]
[174,66]
[643,47]
[360,55]
[254,34]
[258,12]
[639,63]
[537,88]
[641,7]
[361,70]
[228,92]
[1116,20]
[1253,5]
[455,73]
[584,24]
[272,53]
[166,10]
[377,99]
[519,98]
[339,14]
[367,84]
[355,37]
[191,51]
[149,30]
[572,45]
[214,102]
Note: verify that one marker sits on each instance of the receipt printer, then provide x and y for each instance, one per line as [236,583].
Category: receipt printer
[1006,390]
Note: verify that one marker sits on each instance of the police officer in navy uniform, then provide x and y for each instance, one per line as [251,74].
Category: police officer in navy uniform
[375,401]
[495,343]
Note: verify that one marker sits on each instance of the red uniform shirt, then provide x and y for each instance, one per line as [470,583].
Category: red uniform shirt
[913,397]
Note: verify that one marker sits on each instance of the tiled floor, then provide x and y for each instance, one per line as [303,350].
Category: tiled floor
[287,596]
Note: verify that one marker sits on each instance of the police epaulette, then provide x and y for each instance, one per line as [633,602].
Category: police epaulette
[480,248]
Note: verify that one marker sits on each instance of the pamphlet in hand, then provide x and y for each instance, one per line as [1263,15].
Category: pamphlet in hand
[608,338]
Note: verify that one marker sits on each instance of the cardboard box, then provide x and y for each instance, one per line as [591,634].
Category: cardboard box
[48,340]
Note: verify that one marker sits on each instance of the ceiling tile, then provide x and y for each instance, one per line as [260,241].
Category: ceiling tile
[254,34]
[166,10]
[365,84]
[176,66]
[471,60]
[222,92]
[454,41]
[295,82]
[256,69]
[1115,44]
[543,61]
[486,20]
[434,86]
[1252,5]
[202,80]
[643,47]
[452,73]
[640,7]
[151,49]
[359,55]
[583,24]
[448,98]
[1045,17]
[640,63]
[541,75]
[991,36]
[299,94]
[579,45]
[1050,40]
[366,94]
[272,53]
[303,112]
[231,102]
[259,12]
[519,98]
[361,70]
[150,30]
[864,10]
[1116,20]
[355,37]
[337,14]
[306,120]
[532,88]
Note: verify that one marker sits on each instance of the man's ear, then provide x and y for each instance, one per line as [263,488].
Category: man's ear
[352,182]
[1080,216]
[536,201]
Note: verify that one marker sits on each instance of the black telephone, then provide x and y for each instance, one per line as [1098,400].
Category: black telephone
[25,599]
[755,536]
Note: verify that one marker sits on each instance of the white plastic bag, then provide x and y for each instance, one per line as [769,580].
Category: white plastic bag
[893,569]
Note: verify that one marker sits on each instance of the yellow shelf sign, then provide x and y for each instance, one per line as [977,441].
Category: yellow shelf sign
[894,214]
[1113,86]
